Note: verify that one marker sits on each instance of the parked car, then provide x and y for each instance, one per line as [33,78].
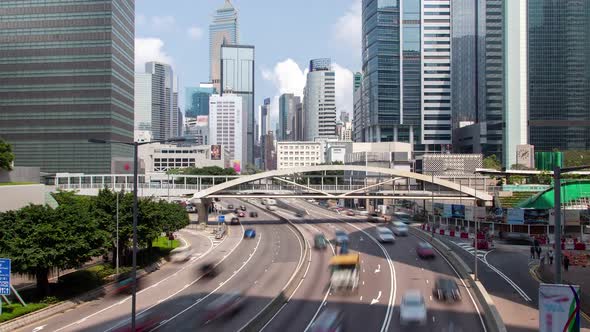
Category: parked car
[425,250]
[249,233]
[320,241]
[253,214]
[446,289]
[400,229]
[413,308]
[328,320]
[384,235]
[234,221]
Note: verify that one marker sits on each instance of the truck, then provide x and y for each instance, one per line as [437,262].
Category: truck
[345,272]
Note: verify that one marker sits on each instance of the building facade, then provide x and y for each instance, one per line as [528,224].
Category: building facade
[159,158]
[226,126]
[143,107]
[319,100]
[164,98]
[289,117]
[222,30]
[559,74]
[65,80]
[299,154]
[197,129]
[237,77]
[197,100]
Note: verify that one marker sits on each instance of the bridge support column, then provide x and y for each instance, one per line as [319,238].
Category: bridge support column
[202,206]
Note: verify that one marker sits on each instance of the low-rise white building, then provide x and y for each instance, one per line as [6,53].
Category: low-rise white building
[162,157]
[299,154]
[227,127]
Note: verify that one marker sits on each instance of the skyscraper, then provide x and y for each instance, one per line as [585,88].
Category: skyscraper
[358,79]
[264,128]
[143,107]
[164,101]
[237,77]
[559,74]
[287,117]
[197,99]
[225,126]
[222,30]
[319,101]
[67,76]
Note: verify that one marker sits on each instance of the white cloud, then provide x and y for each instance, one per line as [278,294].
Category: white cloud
[162,23]
[344,78]
[348,28]
[150,49]
[140,19]
[195,33]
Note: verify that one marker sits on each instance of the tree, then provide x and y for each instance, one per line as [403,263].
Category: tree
[492,162]
[6,156]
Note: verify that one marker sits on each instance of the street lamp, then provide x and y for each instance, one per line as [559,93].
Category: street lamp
[135,212]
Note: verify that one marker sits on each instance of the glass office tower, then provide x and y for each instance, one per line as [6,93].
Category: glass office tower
[197,100]
[67,72]
[559,74]
[222,30]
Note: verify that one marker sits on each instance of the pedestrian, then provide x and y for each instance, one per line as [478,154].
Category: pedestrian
[539,252]
[532,252]
[566,263]
[550,256]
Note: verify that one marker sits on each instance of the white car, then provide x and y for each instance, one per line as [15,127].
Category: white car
[413,308]
[385,235]
[400,229]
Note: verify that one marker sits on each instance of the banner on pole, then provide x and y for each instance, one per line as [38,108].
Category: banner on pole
[559,308]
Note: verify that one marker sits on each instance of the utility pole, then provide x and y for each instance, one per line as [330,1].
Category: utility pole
[117,238]
[557,206]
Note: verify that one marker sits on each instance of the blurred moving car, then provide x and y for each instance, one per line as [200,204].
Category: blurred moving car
[446,289]
[241,214]
[400,229]
[345,272]
[412,308]
[403,217]
[243,207]
[350,213]
[249,233]
[230,207]
[234,221]
[328,320]
[209,270]
[253,214]
[182,256]
[384,235]
[271,207]
[341,237]
[320,241]
[425,250]
[224,306]
[143,323]
[125,283]
[299,214]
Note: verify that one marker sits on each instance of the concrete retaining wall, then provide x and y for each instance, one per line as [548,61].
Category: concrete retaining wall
[18,196]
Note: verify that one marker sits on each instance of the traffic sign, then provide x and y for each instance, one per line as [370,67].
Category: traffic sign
[221,219]
[4,276]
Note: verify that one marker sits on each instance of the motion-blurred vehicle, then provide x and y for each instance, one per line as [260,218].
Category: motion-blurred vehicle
[241,214]
[374,214]
[125,283]
[446,290]
[350,213]
[236,210]
[341,237]
[400,229]
[328,320]
[234,221]
[226,305]
[243,207]
[190,209]
[412,308]
[320,241]
[253,214]
[249,233]
[182,256]
[299,215]
[403,217]
[385,235]
[209,270]
[345,272]
[425,250]
[230,207]
[271,207]
[143,323]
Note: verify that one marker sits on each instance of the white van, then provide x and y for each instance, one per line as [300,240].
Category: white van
[400,229]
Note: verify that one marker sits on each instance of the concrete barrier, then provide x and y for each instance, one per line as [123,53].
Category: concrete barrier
[64,306]
[491,316]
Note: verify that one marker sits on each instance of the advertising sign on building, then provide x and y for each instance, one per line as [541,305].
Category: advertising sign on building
[215,152]
[236,165]
[470,213]
[448,211]
[568,217]
[515,216]
[458,211]
[480,213]
[559,308]
[438,209]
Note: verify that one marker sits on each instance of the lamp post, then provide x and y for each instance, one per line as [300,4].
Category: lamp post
[135,146]
[117,238]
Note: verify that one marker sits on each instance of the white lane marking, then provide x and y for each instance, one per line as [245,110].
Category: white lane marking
[373,301]
[498,272]
[210,293]
[426,280]
[141,291]
[361,298]
[39,328]
[378,268]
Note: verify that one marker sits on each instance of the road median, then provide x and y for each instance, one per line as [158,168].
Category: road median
[491,316]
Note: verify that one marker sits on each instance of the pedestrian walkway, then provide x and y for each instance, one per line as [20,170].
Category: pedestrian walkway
[470,249]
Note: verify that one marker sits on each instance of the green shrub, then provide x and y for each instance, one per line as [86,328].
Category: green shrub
[16,309]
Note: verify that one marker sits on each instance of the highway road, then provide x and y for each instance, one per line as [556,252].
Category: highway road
[176,296]
[388,271]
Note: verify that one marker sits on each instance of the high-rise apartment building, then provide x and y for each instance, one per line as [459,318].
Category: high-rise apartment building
[67,76]
[197,100]
[319,100]
[237,77]
[222,30]
[165,117]
[406,86]
[559,74]
[225,126]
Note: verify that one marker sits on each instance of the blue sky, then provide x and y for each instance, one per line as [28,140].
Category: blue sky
[286,34]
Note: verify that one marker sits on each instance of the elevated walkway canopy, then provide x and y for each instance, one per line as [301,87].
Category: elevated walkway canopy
[570,192]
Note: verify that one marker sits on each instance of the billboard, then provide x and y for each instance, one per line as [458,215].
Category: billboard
[236,165]
[447,211]
[470,213]
[215,152]
[536,216]
[438,209]
[568,217]
[458,211]
[480,213]
[515,216]
[559,308]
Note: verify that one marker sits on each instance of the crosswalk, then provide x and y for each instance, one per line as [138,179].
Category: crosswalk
[469,248]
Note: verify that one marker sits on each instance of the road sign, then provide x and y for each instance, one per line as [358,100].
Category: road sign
[4,276]
[221,219]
